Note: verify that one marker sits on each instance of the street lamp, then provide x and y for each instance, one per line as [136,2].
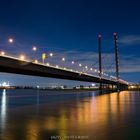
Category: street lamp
[36,61]
[51,54]
[47,64]
[72,62]
[34,48]
[63,59]
[22,57]
[2,53]
[86,67]
[10,40]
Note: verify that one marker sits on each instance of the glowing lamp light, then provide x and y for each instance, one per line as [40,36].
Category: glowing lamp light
[63,59]
[47,64]
[22,57]
[51,54]
[10,40]
[80,65]
[57,66]
[44,56]
[2,53]
[36,61]
[86,67]
[72,62]
[91,69]
[34,48]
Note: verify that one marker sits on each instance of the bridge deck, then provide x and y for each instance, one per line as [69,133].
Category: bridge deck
[14,65]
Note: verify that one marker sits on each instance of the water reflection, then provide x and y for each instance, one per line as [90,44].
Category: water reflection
[3,110]
[37,102]
[97,117]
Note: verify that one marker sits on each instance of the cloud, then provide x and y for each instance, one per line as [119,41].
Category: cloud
[130,64]
[130,40]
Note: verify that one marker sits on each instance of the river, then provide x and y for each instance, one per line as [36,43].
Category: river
[53,115]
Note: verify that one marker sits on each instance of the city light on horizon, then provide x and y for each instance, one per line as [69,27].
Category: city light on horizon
[5,84]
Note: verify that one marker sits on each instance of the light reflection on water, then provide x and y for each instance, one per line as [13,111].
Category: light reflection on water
[104,117]
[3,110]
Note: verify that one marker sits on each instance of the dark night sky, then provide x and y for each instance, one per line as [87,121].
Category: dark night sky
[71,25]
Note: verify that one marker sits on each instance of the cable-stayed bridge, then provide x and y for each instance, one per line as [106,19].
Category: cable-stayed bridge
[20,65]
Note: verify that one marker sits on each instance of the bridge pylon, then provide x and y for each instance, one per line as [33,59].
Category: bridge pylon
[116,60]
[100,60]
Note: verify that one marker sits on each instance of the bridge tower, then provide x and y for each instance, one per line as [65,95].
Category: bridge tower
[116,59]
[100,60]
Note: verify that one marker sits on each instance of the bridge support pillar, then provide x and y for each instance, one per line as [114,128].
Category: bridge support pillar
[100,61]
[116,60]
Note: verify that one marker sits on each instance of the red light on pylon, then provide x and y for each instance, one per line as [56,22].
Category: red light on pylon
[115,34]
[99,36]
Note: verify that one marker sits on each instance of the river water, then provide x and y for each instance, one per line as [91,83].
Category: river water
[51,115]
